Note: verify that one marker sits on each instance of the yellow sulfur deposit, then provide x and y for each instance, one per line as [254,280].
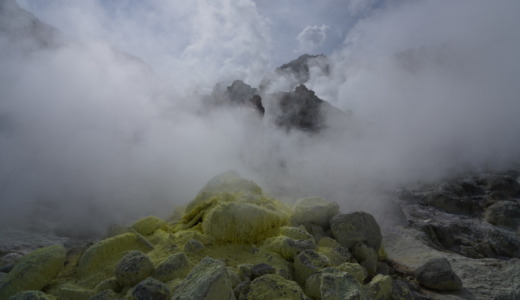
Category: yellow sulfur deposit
[232,242]
[33,271]
[102,256]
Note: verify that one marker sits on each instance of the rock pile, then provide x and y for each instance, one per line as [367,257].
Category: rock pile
[232,242]
[476,216]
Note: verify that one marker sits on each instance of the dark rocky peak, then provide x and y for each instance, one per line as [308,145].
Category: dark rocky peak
[238,93]
[299,109]
[300,67]
[22,28]
[296,72]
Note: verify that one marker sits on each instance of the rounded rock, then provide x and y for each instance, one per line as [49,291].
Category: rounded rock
[132,268]
[150,289]
[350,229]
[437,274]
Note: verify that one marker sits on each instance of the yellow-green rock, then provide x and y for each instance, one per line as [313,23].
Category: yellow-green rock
[102,256]
[341,285]
[355,270]
[241,222]
[148,225]
[380,287]
[207,281]
[225,187]
[296,233]
[307,263]
[287,247]
[314,210]
[33,271]
[366,256]
[273,287]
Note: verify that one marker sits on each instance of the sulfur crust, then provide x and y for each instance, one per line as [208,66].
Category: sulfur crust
[243,222]
[106,253]
[34,271]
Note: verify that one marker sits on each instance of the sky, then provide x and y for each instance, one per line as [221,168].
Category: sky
[107,125]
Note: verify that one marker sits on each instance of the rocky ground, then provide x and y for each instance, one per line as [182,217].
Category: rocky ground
[453,240]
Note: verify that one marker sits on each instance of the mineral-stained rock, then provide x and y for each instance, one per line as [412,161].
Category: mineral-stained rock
[132,268]
[233,209]
[175,266]
[437,274]
[194,247]
[315,211]
[380,287]
[366,256]
[109,284]
[8,261]
[334,251]
[296,233]
[148,225]
[502,183]
[261,269]
[349,229]
[33,271]
[272,286]
[287,247]
[451,203]
[109,251]
[307,263]
[504,213]
[226,187]
[208,280]
[341,285]
[149,289]
[355,270]
[242,222]
[31,295]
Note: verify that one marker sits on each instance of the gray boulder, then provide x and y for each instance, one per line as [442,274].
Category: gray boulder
[437,274]
[175,266]
[504,213]
[132,268]
[207,280]
[150,289]
[350,229]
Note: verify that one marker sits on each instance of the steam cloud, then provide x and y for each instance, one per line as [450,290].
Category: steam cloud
[103,121]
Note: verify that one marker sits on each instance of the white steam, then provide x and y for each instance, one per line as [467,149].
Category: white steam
[90,135]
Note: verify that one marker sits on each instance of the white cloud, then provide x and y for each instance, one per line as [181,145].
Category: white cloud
[357,7]
[311,38]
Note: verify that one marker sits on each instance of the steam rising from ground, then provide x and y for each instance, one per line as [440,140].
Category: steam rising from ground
[89,134]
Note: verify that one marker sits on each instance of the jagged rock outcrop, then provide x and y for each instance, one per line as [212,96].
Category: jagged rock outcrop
[475,216]
[21,30]
[482,247]
[301,109]
[297,71]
